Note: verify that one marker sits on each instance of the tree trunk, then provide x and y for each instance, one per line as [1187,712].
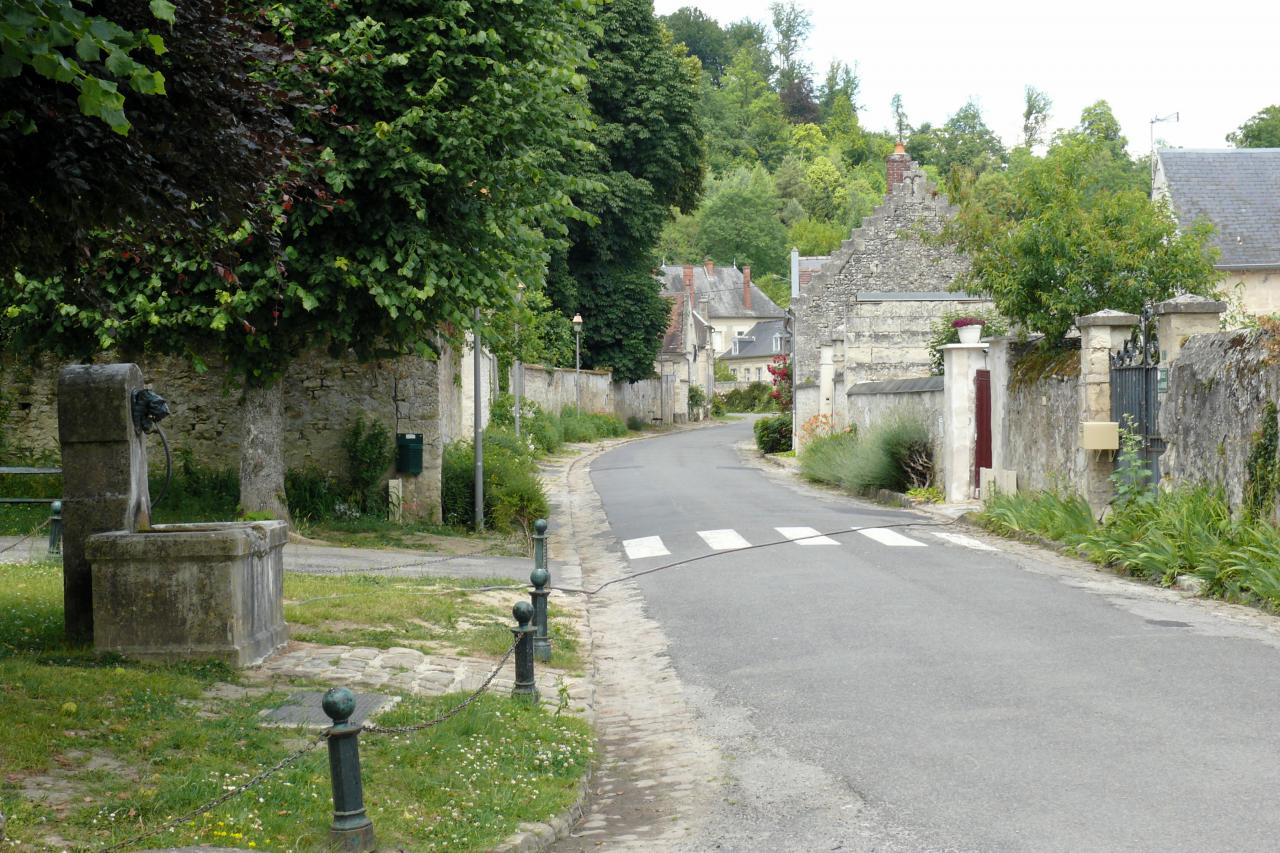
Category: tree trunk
[262,452]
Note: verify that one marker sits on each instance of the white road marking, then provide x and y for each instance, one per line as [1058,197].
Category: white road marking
[723,540]
[645,546]
[966,541]
[805,536]
[891,537]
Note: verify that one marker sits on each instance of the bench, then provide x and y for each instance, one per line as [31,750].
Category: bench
[55,504]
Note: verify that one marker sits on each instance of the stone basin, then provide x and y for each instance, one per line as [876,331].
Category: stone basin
[190,591]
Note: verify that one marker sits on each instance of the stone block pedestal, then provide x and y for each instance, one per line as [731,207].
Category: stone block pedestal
[190,591]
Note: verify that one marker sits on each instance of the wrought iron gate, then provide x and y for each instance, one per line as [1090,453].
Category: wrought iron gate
[1135,394]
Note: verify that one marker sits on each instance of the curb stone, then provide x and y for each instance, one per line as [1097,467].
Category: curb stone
[536,837]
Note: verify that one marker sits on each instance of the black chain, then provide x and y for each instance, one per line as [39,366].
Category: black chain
[214,803]
[13,545]
[374,728]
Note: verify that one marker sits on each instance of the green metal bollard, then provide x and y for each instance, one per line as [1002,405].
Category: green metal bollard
[540,544]
[352,830]
[538,595]
[540,577]
[525,687]
[55,527]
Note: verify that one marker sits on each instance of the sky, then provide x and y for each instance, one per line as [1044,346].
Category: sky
[1215,66]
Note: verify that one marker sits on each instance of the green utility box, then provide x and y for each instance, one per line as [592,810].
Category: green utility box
[409,453]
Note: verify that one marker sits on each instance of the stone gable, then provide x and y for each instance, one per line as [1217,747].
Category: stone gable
[883,287]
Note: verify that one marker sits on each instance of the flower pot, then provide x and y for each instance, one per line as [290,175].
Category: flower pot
[970,334]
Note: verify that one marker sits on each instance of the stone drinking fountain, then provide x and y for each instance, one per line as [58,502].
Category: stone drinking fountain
[154,591]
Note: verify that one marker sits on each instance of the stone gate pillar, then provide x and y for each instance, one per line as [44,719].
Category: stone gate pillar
[1101,333]
[1181,317]
[104,475]
[960,365]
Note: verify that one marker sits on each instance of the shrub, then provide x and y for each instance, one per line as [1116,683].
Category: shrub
[369,450]
[773,435]
[756,397]
[545,430]
[697,399]
[635,423]
[895,454]
[513,493]
[313,494]
[589,426]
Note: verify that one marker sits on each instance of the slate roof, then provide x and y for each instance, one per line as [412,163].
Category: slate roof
[674,339]
[758,342]
[722,289]
[1238,190]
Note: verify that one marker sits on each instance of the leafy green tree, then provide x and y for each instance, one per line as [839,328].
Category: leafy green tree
[704,38]
[1260,131]
[646,158]
[442,134]
[1057,241]
[840,87]
[791,25]
[900,124]
[815,237]
[826,191]
[967,142]
[747,124]
[91,54]
[739,223]
[197,145]
[1035,116]
[752,37]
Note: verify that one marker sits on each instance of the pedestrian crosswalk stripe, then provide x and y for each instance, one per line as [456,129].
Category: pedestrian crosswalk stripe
[891,537]
[723,540]
[805,536]
[966,541]
[645,546]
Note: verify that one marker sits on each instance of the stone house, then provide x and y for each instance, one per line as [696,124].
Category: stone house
[724,297]
[1238,191]
[687,352]
[752,353]
[867,314]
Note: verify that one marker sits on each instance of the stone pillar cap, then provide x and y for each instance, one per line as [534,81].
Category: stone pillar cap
[1190,303]
[1107,317]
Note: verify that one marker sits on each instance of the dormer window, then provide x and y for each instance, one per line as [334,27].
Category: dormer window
[777,343]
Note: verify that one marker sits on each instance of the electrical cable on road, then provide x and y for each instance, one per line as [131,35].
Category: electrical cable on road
[685,562]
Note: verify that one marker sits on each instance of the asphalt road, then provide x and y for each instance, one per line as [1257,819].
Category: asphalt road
[971,699]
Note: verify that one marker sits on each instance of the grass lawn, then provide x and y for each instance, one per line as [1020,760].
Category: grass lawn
[98,749]
[421,613]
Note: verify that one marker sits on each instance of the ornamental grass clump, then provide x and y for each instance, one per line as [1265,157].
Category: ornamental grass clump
[895,454]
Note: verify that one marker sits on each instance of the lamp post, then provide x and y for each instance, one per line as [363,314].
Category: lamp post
[577,361]
[519,377]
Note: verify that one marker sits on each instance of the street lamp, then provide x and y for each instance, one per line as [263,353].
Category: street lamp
[519,377]
[577,361]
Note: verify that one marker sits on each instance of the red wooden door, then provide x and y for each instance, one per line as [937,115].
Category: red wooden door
[982,417]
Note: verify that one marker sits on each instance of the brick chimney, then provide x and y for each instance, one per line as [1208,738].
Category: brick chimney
[896,166]
[746,286]
[688,278]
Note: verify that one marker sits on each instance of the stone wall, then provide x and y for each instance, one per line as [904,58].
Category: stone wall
[1040,433]
[553,388]
[662,398]
[1218,390]
[322,398]
[871,402]
[890,339]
